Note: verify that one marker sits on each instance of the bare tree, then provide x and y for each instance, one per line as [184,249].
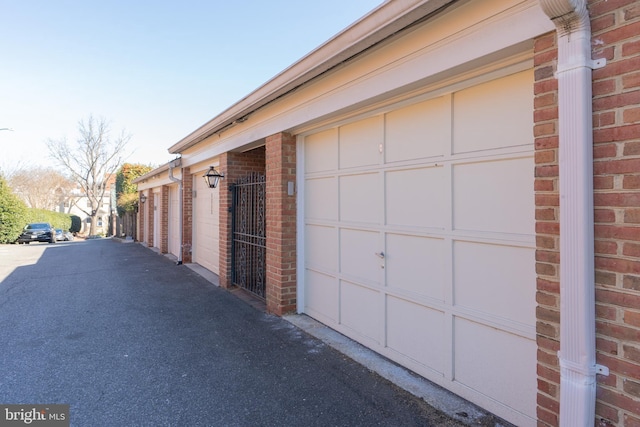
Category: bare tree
[92,162]
[41,188]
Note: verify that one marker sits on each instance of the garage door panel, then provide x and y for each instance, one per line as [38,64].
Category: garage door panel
[358,254]
[360,142]
[494,115]
[494,196]
[173,221]
[496,364]
[321,151]
[206,250]
[360,198]
[416,197]
[448,197]
[321,295]
[321,199]
[496,280]
[316,255]
[419,131]
[360,310]
[417,332]
[416,264]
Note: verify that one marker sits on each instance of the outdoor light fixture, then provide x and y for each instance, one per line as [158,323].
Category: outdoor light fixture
[212,177]
[143,198]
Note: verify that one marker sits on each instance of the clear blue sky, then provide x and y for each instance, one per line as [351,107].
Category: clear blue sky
[158,69]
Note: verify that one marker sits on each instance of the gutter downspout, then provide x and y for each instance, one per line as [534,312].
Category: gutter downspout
[173,164]
[577,355]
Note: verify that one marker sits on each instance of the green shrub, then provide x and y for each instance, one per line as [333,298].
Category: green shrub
[13,214]
[126,190]
[76,224]
[57,219]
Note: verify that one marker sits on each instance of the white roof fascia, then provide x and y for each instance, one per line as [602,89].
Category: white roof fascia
[157,178]
[381,23]
[151,174]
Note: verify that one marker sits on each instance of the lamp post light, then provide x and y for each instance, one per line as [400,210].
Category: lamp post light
[212,177]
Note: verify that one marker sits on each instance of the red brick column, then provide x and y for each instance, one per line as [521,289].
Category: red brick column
[616,110]
[547,201]
[281,224]
[187,214]
[226,167]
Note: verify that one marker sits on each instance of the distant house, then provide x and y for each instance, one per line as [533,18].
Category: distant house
[77,203]
[443,182]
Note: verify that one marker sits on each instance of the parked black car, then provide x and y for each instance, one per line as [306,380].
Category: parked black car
[38,232]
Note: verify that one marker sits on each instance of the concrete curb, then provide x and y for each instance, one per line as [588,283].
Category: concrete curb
[436,396]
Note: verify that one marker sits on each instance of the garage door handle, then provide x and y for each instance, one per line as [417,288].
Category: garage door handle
[380,255]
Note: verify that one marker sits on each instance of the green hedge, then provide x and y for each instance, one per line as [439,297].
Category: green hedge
[57,219]
[15,215]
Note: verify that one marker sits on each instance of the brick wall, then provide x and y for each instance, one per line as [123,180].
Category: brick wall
[281,224]
[616,103]
[233,166]
[280,168]
[224,227]
[547,228]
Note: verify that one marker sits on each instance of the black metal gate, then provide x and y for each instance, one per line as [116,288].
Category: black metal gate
[249,248]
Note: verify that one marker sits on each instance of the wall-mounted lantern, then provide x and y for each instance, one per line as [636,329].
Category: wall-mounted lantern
[212,177]
[143,198]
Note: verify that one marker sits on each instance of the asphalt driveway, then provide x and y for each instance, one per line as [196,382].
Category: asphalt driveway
[128,338]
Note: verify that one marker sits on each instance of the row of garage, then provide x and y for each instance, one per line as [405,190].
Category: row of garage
[415,236]
[399,192]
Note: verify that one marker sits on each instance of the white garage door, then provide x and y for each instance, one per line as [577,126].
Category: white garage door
[174,221]
[206,251]
[419,239]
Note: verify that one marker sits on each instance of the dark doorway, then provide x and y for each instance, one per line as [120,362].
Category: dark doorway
[249,248]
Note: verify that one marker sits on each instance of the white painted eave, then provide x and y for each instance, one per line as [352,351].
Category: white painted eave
[379,24]
[155,172]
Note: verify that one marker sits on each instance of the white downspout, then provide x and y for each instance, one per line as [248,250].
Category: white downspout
[176,163]
[577,277]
